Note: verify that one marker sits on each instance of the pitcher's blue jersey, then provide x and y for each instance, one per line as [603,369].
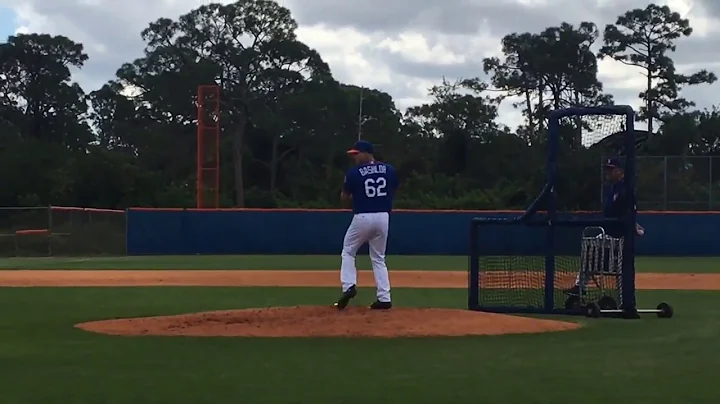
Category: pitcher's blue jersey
[372,187]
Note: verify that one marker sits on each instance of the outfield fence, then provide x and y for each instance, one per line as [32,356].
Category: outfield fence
[61,231]
[678,183]
[86,232]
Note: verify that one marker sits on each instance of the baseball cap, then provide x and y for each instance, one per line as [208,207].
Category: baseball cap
[362,146]
[614,162]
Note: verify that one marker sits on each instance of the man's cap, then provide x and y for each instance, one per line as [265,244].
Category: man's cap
[362,146]
[614,162]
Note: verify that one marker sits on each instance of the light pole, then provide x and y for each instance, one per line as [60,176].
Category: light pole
[362,120]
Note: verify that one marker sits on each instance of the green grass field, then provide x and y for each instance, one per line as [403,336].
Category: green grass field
[43,359]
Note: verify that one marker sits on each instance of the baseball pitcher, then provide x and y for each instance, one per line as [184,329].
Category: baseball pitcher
[371,186]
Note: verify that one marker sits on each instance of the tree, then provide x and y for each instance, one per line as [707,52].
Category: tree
[286,122]
[249,48]
[459,112]
[36,91]
[569,66]
[42,118]
[113,118]
[324,119]
[467,151]
[553,69]
[460,105]
[517,75]
[643,38]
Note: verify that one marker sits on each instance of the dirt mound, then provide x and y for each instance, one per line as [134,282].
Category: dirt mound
[314,321]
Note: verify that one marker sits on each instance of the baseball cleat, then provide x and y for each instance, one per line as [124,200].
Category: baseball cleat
[346,297]
[378,305]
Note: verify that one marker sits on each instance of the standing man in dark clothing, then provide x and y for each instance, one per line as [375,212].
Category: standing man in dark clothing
[615,205]
[617,202]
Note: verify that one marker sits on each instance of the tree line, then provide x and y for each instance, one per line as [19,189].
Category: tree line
[286,122]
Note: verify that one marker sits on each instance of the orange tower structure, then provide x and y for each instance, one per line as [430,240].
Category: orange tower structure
[208,147]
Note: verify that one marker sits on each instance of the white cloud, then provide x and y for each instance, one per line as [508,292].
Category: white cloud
[401,46]
[414,46]
[342,49]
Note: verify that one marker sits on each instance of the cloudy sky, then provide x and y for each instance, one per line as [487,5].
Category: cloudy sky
[399,46]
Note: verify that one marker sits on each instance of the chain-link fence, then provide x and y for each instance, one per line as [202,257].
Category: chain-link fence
[61,231]
[678,183]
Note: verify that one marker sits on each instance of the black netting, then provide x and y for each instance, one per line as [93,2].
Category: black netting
[583,141]
[512,263]
[87,232]
[24,232]
[48,231]
[513,258]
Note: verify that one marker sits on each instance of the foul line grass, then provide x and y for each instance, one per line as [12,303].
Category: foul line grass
[316,262]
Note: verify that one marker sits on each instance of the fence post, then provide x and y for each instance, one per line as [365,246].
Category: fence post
[50,230]
[127,210]
[710,188]
[665,182]
[602,181]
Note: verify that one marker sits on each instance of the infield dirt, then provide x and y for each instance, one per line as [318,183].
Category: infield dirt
[401,279]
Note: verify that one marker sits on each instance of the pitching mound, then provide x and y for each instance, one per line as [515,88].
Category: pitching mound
[314,321]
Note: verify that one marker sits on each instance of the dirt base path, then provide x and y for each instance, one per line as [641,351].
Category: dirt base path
[402,279]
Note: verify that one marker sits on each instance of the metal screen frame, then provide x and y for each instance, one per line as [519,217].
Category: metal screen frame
[551,222]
